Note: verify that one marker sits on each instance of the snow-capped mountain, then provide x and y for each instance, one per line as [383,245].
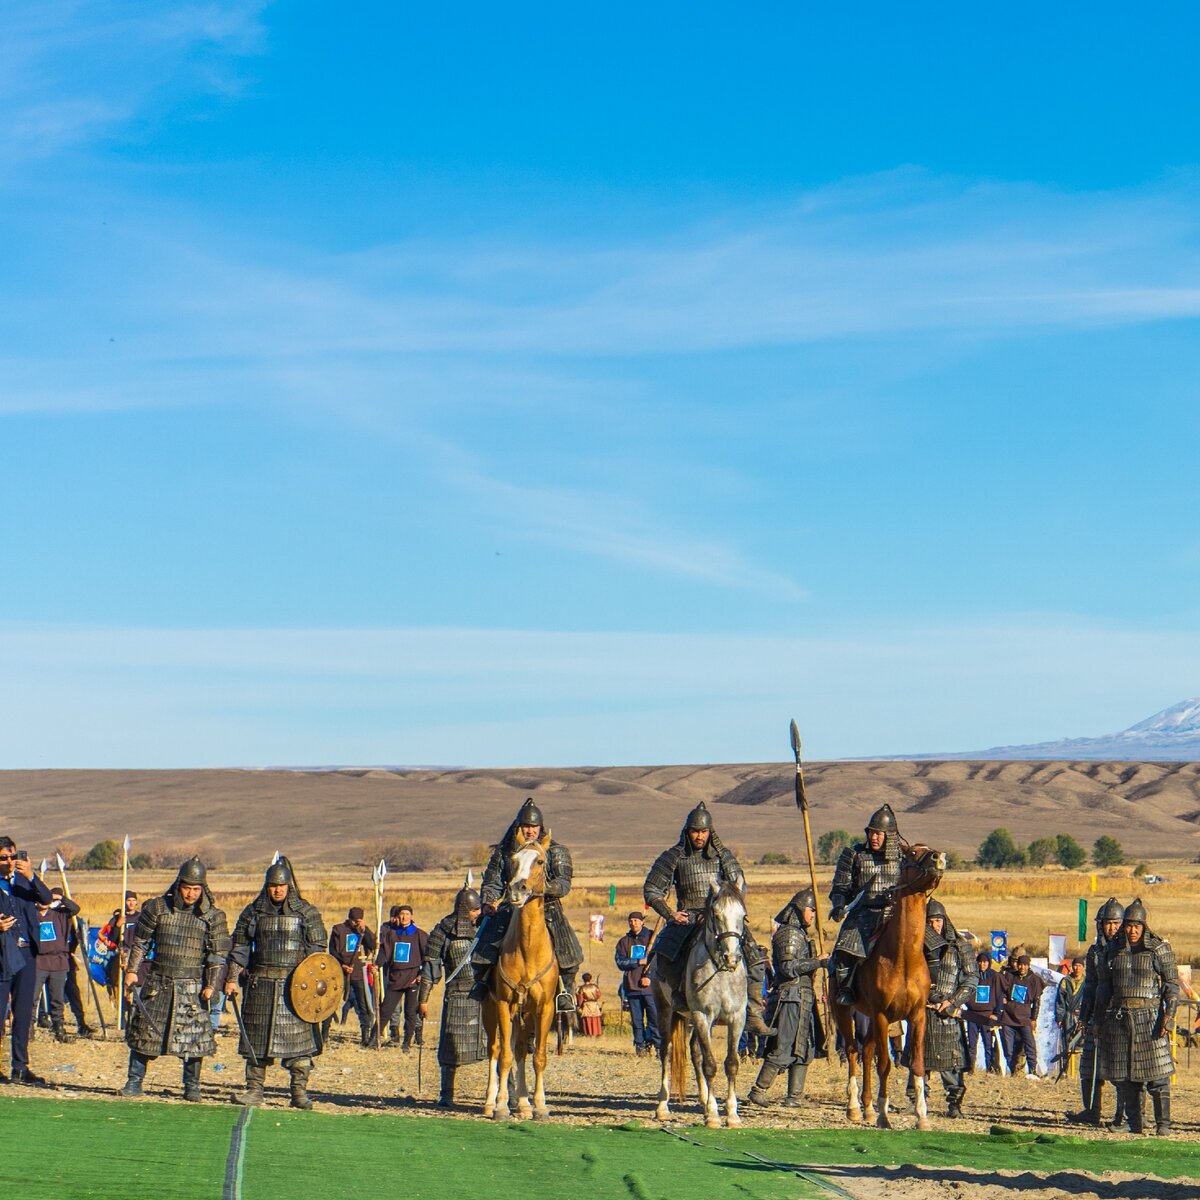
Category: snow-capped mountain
[1171,735]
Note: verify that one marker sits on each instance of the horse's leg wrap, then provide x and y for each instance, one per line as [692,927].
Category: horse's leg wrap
[922,1106]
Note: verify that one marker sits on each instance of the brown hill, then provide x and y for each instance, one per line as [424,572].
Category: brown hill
[604,813]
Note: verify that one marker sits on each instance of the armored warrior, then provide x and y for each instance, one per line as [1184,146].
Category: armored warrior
[1136,996]
[863,880]
[276,931]
[182,938]
[692,866]
[1091,1083]
[461,1040]
[799,1036]
[526,828]
[953,974]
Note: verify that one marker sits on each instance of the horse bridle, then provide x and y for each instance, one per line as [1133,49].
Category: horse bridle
[710,936]
[899,890]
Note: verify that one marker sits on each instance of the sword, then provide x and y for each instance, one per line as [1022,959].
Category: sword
[231,1000]
[135,998]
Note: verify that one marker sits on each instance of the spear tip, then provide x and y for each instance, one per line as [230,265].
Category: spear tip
[795,738]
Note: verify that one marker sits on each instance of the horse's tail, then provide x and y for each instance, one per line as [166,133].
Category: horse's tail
[678,1059]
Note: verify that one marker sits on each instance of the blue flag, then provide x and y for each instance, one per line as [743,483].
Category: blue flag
[999,945]
[99,956]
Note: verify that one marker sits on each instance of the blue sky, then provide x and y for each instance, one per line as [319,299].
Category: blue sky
[529,385]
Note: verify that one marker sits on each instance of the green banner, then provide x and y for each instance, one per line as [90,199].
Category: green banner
[1082,921]
[612,895]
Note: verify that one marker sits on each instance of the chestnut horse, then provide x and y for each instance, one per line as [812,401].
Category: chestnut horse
[893,985]
[520,1005]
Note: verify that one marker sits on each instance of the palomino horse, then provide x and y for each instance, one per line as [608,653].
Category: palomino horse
[893,985]
[520,1005]
[714,983]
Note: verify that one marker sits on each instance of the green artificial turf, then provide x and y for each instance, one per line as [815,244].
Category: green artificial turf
[103,1149]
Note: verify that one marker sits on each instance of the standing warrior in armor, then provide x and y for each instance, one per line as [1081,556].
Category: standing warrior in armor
[1091,1082]
[1136,997]
[953,974]
[526,828]
[692,866]
[862,882]
[276,931]
[182,939]
[461,1040]
[799,1037]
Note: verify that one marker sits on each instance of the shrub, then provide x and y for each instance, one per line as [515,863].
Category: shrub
[69,852]
[1107,852]
[954,860]
[1070,853]
[831,844]
[774,858]
[999,850]
[1041,851]
[103,856]
[140,862]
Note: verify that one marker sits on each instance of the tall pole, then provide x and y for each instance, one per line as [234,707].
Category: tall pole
[121,946]
[379,875]
[802,805]
[81,932]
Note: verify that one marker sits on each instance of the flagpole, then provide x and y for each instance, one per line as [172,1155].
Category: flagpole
[121,945]
[81,937]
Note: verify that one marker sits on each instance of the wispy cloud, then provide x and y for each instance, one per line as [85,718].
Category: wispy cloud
[135,697]
[75,70]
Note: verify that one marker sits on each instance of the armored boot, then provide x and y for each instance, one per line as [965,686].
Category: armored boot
[61,1034]
[446,1094]
[1135,1107]
[481,971]
[754,1018]
[137,1073]
[795,1092]
[1161,1099]
[766,1076]
[253,1095]
[191,1078]
[844,969]
[300,1069]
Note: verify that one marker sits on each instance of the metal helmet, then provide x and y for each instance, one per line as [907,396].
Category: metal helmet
[193,872]
[935,908]
[699,818]
[803,899]
[278,872]
[466,901]
[1135,913]
[530,814]
[1110,910]
[883,820]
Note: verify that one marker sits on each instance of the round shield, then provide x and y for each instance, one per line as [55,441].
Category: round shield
[315,988]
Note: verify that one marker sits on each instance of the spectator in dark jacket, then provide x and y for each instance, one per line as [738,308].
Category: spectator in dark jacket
[631,954]
[401,953]
[20,893]
[51,940]
[353,944]
[983,1014]
[1021,994]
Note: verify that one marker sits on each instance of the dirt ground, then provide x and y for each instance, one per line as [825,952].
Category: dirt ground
[595,1081]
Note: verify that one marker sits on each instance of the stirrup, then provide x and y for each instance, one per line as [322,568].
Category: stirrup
[564,1002]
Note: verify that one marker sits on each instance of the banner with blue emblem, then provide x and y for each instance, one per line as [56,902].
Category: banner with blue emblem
[999,945]
[99,956]
[402,952]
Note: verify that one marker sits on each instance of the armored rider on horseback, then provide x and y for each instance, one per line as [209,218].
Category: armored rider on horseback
[863,880]
[692,866]
[527,828]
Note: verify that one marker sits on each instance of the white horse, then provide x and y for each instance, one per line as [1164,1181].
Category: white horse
[714,984]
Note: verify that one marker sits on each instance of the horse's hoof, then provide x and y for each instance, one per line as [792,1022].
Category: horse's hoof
[712,1122]
[524,1110]
[541,1114]
[882,1122]
[488,1112]
[871,1115]
[854,1114]
[662,1113]
[733,1122]
[924,1124]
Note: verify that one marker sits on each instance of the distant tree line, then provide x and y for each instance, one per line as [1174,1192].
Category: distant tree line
[999,849]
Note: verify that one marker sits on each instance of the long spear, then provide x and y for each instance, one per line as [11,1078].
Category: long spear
[81,931]
[379,875]
[802,805]
[124,919]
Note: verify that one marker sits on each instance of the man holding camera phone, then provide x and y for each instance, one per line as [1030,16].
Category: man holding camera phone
[20,893]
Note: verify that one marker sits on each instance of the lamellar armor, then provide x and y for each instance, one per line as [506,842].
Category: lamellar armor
[868,876]
[269,940]
[461,1041]
[953,975]
[184,947]
[1136,996]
